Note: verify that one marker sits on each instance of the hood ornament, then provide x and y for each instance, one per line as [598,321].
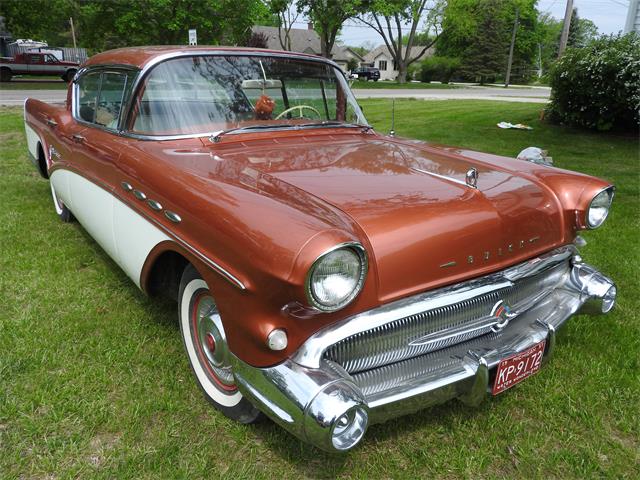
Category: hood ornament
[471,178]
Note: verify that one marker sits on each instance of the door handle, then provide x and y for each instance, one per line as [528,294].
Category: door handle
[52,123]
[78,138]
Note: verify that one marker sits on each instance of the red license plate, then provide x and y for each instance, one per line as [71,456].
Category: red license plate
[516,368]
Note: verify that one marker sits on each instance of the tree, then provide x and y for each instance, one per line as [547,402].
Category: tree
[327,17]
[486,56]
[462,28]
[387,18]
[257,40]
[286,16]
[102,25]
[581,31]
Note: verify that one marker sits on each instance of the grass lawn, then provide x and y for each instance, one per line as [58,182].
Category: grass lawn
[409,85]
[94,382]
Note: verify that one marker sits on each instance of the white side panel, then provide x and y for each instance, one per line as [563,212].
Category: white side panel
[135,237]
[125,235]
[32,140]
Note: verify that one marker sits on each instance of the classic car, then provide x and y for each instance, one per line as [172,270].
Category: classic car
[326,275]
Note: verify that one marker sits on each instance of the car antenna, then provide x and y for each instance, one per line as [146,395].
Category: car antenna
[392,132]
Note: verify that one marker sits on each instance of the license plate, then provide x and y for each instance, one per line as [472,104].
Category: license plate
[516,368]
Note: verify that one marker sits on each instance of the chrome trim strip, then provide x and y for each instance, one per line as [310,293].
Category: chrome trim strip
[442,177]
[179,240]
[310,354]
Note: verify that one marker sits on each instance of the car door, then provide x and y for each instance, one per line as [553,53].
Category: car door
[90,176]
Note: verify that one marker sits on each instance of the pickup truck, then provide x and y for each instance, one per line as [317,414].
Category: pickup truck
[36,63]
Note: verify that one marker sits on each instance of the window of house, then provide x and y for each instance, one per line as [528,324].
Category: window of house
[382,65]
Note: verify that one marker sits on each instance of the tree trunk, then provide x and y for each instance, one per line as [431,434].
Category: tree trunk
[402,72]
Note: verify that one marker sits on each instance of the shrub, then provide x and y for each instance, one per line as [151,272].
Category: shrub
[440,69]
[598,86]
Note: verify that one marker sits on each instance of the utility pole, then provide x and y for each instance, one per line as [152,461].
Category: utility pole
[513,42]
[73,32]
[565,27]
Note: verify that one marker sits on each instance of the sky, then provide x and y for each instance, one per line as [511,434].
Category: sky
[608,15]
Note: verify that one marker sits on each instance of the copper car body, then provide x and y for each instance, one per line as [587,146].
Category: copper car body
[252,212]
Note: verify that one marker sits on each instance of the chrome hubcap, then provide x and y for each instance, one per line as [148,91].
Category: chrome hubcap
[211,339]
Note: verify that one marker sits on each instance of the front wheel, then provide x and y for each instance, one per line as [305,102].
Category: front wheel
[206,346]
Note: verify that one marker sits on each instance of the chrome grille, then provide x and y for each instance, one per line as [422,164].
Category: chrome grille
[445,326]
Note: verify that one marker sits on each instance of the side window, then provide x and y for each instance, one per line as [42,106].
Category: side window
[110,99]
[100,96]
[34,58]
[50,59]
[88,89]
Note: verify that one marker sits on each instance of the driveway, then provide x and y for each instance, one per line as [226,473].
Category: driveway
[512,94]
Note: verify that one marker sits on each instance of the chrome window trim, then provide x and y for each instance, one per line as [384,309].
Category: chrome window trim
[310,353]
[364,260]
[202,53]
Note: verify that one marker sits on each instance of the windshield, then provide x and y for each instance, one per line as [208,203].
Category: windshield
[206,94]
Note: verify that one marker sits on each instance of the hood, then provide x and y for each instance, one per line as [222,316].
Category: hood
[425,226]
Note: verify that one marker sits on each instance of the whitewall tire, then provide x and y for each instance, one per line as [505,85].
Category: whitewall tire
[63,212]
[205,342]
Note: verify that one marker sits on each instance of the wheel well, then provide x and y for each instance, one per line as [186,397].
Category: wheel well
[164,276]
[42,162]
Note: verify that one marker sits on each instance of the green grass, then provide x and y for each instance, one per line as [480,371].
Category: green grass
[389,84]
[94,382]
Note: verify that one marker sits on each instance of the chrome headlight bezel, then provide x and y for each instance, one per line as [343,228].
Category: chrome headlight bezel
[609,192]
[364,267]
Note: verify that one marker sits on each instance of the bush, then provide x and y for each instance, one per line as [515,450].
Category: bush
[598,86]
[440,69]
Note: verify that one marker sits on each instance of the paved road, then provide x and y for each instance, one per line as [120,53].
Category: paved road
[534,95]
[17,97]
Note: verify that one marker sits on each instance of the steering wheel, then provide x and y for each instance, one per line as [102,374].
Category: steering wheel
[298,107]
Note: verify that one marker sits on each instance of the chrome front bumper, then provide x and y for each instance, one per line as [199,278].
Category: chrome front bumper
[322,404]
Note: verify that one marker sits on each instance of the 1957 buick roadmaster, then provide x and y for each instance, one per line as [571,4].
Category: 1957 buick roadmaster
[326,275]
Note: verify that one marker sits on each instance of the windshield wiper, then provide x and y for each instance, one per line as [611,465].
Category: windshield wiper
[216,136]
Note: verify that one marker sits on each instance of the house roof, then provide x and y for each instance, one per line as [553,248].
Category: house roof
[383,50]
[304,40]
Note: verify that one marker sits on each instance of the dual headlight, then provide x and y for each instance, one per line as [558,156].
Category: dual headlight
[337,277]
[599,208]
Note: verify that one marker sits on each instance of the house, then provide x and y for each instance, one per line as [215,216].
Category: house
[633,17]
[381,58]
[306,40]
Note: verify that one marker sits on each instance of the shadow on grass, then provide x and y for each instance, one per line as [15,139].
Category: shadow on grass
[312,462]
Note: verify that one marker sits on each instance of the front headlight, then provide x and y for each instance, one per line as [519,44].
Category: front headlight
[599,208]
[337,277]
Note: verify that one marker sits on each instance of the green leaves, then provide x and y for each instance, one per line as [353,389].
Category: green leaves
[598,86]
